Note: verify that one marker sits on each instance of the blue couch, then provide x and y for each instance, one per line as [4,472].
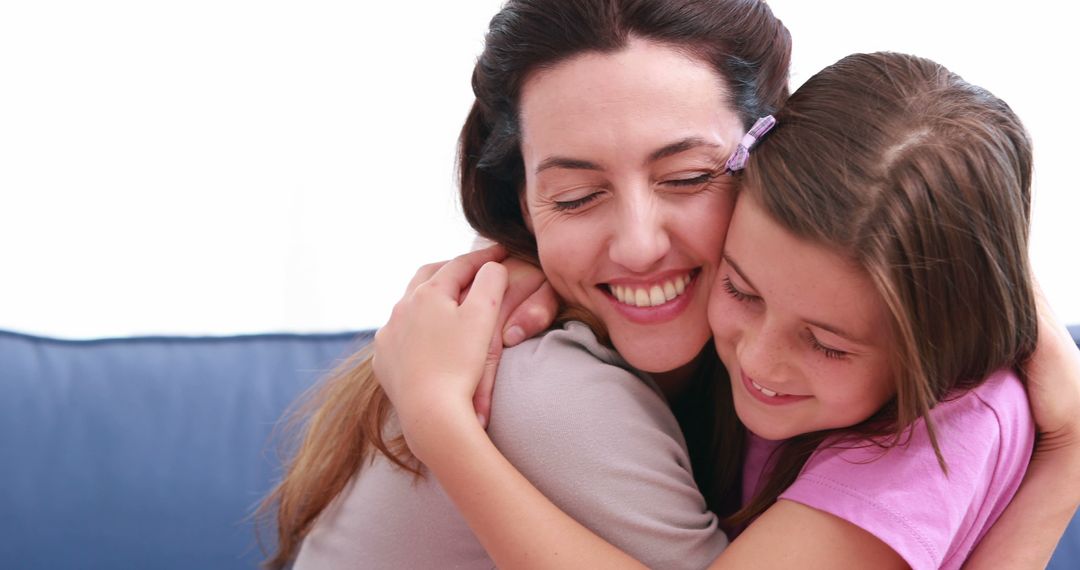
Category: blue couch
[152,452]
[145,452]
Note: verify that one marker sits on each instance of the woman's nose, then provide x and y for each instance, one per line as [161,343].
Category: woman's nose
[640,235]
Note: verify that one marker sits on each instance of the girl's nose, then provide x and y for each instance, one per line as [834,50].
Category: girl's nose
[762,355]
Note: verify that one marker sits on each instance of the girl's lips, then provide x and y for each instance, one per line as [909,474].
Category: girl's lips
[761,396]
[666,311]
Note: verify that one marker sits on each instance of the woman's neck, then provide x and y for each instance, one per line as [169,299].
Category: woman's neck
[674,383]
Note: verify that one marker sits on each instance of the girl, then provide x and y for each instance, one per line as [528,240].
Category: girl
[873,303]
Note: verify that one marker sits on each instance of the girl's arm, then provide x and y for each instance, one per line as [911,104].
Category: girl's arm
[1028,531]
[519,526]
[429,358]
[528,308]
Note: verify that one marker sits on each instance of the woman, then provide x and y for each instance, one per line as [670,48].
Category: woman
[650,247]
[673,86]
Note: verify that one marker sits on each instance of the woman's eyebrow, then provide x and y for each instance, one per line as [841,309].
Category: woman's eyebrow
[665,151]
[565,162]
[679,146]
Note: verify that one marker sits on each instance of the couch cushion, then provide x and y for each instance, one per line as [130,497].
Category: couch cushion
[152,452]
[145,452]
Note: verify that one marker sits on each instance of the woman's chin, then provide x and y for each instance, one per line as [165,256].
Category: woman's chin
[658,357]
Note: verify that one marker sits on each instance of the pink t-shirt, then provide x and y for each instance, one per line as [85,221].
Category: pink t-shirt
[901,495]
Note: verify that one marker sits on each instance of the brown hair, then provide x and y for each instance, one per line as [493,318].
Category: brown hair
[924,180]
[741,39]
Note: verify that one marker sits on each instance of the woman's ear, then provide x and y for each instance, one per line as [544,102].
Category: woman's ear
[524,205]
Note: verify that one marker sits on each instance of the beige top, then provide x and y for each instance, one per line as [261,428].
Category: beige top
[594,435]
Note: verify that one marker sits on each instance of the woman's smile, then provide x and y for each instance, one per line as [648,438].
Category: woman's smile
[653,300]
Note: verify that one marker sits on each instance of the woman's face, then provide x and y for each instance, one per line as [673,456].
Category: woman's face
[623,154]
[800,329]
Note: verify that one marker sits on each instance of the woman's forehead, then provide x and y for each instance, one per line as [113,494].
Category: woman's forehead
[645,95]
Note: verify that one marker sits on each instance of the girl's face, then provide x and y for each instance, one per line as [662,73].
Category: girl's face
[802,331]
[623,154]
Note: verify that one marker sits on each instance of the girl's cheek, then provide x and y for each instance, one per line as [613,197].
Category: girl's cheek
[725,319]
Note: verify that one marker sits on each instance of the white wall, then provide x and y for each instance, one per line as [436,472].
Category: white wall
[238,166]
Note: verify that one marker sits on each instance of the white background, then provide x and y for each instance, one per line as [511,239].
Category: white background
[238,166]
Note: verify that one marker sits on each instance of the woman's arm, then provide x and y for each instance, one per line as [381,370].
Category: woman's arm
[1028,531]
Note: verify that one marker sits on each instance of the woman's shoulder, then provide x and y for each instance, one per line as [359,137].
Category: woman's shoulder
[570,360]
[573,340]
[595,437]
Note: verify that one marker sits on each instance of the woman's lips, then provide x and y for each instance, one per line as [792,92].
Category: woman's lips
[655,302]
[651,295]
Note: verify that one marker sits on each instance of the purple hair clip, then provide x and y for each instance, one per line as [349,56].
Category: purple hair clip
[751,138]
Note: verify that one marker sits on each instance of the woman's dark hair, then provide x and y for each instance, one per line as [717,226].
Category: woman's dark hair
[742,41]
[344,418]
[924,181]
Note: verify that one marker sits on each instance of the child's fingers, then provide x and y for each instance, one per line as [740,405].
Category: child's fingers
[478,258]
[532,317]
[486,388]
[486,294]
[473,258]
[423,274]
[457,274]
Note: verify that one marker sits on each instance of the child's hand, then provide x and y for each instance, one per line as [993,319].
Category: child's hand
[530,302]
[431,355]
[528,309]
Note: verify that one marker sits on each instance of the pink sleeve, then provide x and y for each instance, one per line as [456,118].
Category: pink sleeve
[902,496]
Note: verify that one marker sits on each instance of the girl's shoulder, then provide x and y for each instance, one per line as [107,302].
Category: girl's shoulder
[932,515]
[1003,394]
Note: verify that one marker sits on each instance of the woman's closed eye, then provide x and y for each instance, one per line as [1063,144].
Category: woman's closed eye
[694,179]
[565,205]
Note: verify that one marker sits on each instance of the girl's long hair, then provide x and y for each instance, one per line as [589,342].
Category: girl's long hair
[924,181]
[343,420]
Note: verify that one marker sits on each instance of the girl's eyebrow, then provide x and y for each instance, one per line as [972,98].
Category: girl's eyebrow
[837,331]
[735,266]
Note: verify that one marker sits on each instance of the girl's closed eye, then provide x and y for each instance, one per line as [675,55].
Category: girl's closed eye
[827,350]
[735,293]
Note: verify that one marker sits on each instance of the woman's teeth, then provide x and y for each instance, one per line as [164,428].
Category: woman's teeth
[650,296]
[765,390]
